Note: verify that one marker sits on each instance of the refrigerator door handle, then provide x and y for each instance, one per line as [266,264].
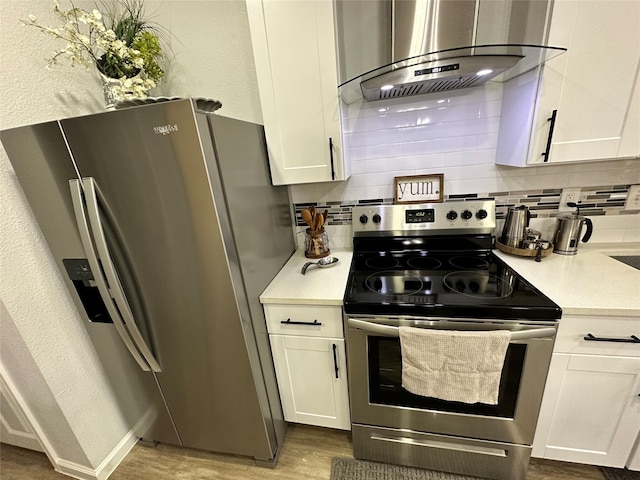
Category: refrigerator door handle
[103,289]
[91,193]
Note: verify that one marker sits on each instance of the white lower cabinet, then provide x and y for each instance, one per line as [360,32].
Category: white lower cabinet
[312,375]
[307,345]
[591,407]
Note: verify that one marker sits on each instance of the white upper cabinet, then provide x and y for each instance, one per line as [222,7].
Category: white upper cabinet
[586,103]
[295,55]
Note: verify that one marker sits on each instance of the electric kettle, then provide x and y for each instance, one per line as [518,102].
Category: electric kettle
[567,235]
[515,226]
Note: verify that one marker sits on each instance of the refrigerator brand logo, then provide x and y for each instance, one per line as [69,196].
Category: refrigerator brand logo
[165,129]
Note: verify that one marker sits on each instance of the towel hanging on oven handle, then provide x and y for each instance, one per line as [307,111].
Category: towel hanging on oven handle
[391,331]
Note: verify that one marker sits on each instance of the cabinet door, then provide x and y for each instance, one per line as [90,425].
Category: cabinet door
[594,85]
[590,411]
[296,64]
[312,379]
[15,429]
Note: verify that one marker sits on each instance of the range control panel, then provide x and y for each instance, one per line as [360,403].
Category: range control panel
[460,216]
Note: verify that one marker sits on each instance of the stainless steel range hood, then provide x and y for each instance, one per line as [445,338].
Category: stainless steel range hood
[397,48]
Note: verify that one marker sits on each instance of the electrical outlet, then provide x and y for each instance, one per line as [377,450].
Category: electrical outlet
[568,195]
[633,198]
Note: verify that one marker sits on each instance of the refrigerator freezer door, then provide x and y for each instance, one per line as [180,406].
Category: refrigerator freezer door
[167,245]
[42,163]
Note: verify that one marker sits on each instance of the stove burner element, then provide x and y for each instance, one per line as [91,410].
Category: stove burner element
[469,263]
[393,283]
[477,284]
[382,263]
[424,263]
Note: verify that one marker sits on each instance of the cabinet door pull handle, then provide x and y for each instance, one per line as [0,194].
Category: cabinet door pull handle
[288,321]
[333,171]
[631,339]
[335,358]
[551,119]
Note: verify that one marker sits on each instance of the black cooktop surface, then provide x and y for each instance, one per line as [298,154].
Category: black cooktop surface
[466,283]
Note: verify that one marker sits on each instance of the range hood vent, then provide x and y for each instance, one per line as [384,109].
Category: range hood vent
[416,47]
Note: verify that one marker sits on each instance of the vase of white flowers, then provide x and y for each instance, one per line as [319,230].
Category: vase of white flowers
[124,47]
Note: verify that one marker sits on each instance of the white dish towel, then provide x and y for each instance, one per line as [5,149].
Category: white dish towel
[453,365]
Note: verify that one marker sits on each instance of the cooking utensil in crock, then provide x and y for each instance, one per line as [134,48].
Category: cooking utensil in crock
[323,262]
[306,216]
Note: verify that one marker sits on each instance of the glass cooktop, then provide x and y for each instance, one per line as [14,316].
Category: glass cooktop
[467,284]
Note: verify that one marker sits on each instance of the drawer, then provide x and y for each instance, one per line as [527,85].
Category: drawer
[304,320]
[573,328]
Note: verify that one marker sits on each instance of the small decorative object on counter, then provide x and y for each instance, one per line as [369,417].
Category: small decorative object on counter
[515,226]
[120,42]
[537,249]
[568,228]
[316,242]
[323,263]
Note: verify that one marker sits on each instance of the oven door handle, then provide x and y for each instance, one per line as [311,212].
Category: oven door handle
[391,331]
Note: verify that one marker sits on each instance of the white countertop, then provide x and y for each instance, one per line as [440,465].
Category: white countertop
[319,286]
[588,283]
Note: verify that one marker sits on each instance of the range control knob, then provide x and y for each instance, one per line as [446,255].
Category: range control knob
[452,215]
[376,218]
[481,214]
[364,219]
[466,215]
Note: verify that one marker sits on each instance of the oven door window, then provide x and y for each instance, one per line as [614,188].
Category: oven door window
[385,382]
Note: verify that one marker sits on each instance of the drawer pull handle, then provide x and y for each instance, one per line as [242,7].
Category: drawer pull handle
[289,322]
[632,339]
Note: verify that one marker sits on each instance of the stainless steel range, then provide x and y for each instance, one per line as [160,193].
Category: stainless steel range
[431,266]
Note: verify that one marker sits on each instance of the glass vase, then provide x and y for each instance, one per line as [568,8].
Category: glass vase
[316,243]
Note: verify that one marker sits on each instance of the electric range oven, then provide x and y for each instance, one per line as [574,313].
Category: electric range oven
[431,266]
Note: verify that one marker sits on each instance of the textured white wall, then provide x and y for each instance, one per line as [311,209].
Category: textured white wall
[45,349]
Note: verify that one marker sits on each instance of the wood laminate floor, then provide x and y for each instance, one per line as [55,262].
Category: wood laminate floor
[306,455]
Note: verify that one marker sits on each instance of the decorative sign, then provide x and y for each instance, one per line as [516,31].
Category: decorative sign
[419,188]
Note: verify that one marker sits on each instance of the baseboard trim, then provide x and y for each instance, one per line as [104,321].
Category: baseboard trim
[106,468]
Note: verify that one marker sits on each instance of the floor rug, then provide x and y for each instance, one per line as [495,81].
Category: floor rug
[619,474]
[349,469]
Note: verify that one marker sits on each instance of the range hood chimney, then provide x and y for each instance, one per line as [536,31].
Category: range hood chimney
[397,48]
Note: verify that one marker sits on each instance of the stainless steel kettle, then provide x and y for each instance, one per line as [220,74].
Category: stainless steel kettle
[567,235]
[515,226]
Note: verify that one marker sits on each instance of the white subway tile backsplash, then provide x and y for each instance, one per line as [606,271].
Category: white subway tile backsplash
[412,134]
[472,127]
[631,235]
[477,157]
[455,133]
[417,162]
[488,140]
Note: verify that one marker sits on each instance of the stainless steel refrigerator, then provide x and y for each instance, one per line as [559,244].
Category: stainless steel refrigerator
[166,229]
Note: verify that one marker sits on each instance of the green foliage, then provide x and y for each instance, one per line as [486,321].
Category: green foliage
[148,45]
